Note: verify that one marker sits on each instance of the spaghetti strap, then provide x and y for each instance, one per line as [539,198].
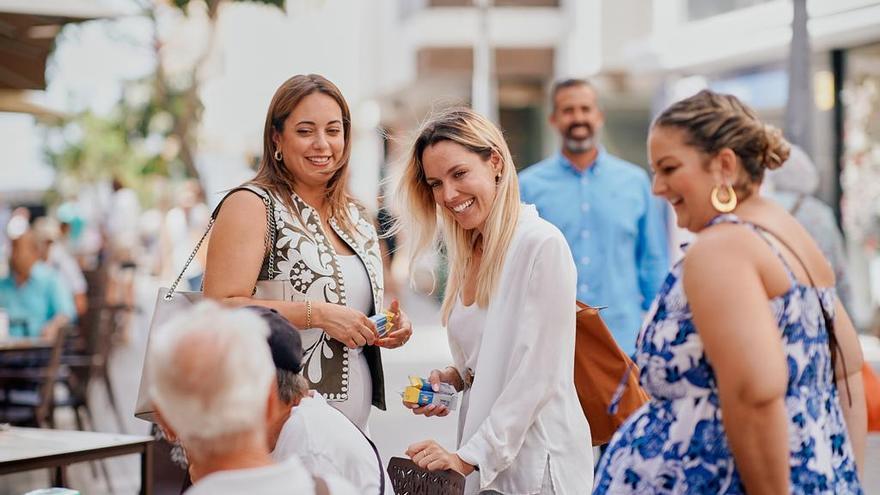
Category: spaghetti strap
[827,314]
[763,234]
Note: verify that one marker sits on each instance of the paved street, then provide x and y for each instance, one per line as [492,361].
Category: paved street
[393,430]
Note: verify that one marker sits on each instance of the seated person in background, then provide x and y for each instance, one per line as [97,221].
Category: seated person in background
[33,294]
[56,254]
[211,378]
[302,424]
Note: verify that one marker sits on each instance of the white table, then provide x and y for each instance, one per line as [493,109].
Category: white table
[24,449]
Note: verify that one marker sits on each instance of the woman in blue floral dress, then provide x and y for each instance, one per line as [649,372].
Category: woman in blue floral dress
[742,368]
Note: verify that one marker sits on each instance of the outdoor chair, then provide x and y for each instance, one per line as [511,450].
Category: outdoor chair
[29,386]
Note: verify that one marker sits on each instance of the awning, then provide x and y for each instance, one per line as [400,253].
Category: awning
[27,36]
[17,101]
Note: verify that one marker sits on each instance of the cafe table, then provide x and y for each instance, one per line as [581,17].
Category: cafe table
[17,345]
[24,449]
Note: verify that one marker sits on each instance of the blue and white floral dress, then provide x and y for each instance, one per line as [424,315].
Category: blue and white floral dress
[676,443]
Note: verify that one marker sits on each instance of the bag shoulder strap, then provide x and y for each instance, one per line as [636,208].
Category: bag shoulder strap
[378,457]
[833,345]
[796,207]
[269,241]
[259,191]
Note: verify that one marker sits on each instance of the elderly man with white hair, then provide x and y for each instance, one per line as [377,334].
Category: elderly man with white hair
[212,379]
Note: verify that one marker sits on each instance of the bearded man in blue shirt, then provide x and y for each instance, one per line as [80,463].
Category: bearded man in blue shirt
[603,205]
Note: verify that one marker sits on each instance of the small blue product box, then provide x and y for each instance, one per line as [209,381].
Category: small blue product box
[384,322]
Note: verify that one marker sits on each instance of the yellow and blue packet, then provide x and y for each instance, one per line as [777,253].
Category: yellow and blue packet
[421,393]
[384,322]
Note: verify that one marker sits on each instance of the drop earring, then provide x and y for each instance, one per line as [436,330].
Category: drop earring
[727,205]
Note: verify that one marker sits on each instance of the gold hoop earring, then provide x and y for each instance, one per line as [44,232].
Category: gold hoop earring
[724,206]
[278,156]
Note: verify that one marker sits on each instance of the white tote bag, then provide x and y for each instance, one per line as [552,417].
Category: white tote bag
[171,302]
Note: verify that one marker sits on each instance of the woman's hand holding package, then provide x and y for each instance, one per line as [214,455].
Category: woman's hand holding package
[400,331]
[447,375]
[344,324]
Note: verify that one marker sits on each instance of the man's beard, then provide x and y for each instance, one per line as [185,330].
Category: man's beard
[583,145]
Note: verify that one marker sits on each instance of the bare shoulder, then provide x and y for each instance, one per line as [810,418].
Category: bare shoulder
[241,206]
[719,242]
[797,246]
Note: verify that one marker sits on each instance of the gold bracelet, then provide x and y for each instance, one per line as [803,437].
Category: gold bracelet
[308,314]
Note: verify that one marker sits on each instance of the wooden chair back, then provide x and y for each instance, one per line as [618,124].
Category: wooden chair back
[407,478]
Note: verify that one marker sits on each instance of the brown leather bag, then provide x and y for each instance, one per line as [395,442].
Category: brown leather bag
[601,370]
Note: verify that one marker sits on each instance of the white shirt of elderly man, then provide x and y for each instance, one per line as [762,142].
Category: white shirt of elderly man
[330,445]
[211,379]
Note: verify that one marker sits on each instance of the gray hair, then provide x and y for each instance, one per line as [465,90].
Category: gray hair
[291,386]
[799,175]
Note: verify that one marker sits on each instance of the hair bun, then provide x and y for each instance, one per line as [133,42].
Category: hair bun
[776,148]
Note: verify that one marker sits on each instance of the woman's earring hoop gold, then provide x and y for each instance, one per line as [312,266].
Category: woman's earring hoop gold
[278,156]
[724,206]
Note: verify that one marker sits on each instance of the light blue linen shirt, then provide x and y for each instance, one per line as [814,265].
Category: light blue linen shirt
[615,229]
[35,303]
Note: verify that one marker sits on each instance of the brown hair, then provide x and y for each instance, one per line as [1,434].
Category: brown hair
[713,121]
[274,176]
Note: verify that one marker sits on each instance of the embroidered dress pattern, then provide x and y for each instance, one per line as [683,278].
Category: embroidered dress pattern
[676,443]
[306,257]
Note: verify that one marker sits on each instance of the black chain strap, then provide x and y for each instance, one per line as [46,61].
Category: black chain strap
[192,256]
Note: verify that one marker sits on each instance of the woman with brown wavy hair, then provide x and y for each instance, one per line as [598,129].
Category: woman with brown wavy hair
[751,361]
[319,265]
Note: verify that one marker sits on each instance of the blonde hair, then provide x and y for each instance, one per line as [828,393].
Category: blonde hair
[421,217]
[713,121]
[274,176]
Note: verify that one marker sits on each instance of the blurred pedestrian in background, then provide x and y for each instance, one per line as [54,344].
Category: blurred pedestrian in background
[327,273]
[751,361]
[509,308]
[56,254]
[603,206]
[183,225]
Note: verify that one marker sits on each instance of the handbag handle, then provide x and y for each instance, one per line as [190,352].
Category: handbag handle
[269,240]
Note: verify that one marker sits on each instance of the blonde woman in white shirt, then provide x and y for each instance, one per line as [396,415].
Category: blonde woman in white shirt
[510,312]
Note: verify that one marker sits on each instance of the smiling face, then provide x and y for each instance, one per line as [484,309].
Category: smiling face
[683,176]
[577,118]
[461,181]
[312,141]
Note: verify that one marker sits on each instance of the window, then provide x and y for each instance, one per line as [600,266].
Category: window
[702,9]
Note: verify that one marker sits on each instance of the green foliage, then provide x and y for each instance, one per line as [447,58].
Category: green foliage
[89,148]
[142,137]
